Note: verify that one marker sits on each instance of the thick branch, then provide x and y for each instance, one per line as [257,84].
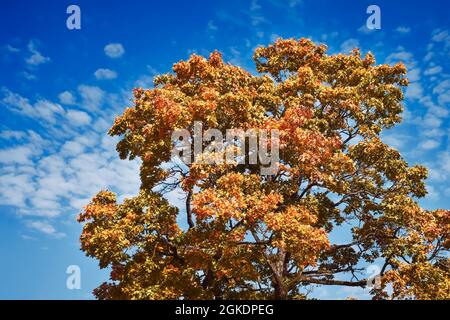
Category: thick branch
[188,210]
[330,282]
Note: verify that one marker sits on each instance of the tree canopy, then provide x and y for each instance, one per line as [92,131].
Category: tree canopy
[243,235]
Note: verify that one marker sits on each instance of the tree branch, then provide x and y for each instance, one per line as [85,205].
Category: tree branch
[330,282]
[188,210]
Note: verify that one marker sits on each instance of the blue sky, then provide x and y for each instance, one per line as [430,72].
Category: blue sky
[60,90]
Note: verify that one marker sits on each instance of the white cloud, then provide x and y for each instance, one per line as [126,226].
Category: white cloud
[105,74]
[256,17]
[397,140]
[78,118]
[414,91]
[403,29]
[433,70]
[92,96]
[327,36]
[254,6]
[66,98]
[211,26]
[101,125]
[114,50]
[15,188]
[146,80]
[56,176]
[36,58]
[41,109]
[429,144]
[50,184]
[44,227]
[414,74]
[152,70]
[294,3]
[443,92]
[428,56]
[11,49]
[28,76]
[48,110]
[12,134]
[434,108]
[432,193]
[349,44]
[440,36]
[72,148]
[442,87]
[439,173]
[433,133]
[432,121]
[16,102]
[405,57]
[364,30]
[16,155]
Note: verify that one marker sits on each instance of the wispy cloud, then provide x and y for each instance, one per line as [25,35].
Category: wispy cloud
[12,49]
[78,118]
[47,176]
[105,74]
[42,109]
[433,70]
[364,30]
[212,26]
[403,29]
[92,96]
[44,227]
[349,44]
[66,98]
[36,58]
[114,50]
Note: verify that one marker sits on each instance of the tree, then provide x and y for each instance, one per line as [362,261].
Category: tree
[243,235]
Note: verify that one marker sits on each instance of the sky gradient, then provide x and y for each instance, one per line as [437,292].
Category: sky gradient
[60,90]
